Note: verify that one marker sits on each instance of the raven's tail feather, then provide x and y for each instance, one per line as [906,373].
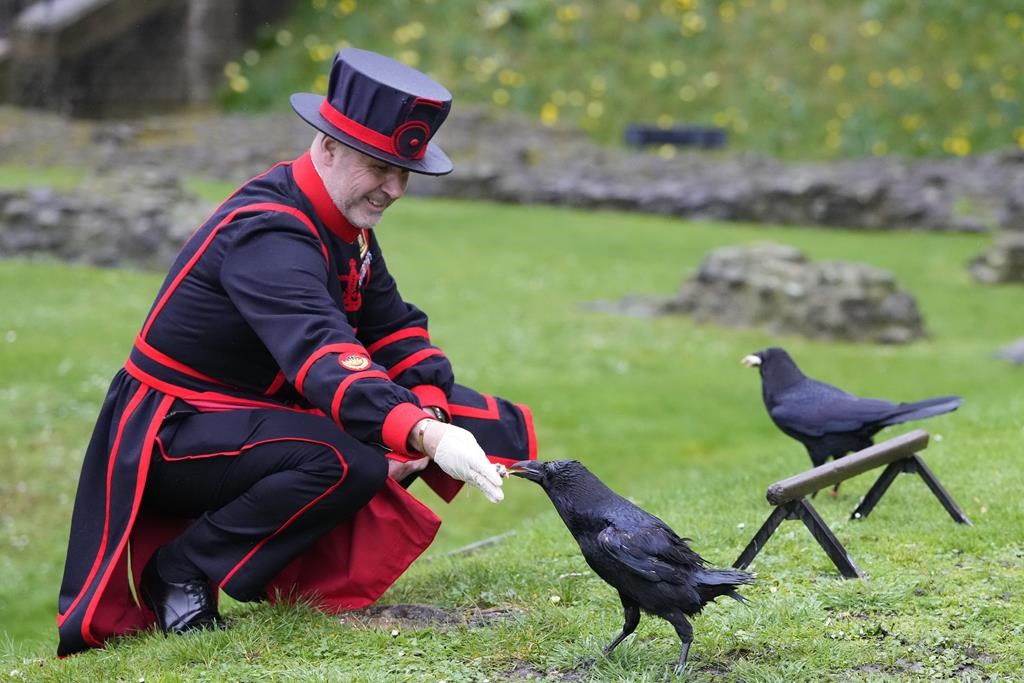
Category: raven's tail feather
[712,583]
[922,409]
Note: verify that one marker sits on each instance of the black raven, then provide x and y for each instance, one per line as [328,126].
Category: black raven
[651,567]
[828,421]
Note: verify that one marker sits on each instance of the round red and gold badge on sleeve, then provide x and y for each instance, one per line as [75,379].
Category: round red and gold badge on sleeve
[354,361]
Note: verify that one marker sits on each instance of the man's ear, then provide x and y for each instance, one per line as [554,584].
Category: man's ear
[332,150]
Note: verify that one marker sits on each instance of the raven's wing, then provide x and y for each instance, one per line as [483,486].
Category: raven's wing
[653,552]
[815,408]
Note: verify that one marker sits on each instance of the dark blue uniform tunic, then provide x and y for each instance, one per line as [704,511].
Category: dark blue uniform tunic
[276,368]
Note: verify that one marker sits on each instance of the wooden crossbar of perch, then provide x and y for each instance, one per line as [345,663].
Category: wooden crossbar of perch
[899,455]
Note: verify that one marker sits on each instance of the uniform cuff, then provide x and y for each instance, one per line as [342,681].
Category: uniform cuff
[430,395]
[397,425]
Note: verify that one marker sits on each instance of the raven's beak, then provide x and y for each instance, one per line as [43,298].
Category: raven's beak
[751,361]
[527,469]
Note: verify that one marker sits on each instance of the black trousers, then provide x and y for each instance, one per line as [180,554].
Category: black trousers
[261,486]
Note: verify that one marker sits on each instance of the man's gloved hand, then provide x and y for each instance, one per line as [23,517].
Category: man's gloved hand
[456,451]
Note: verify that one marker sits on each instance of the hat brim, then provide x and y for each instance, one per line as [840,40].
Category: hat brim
[434,162]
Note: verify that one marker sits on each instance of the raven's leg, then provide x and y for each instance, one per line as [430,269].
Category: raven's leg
[685,633]
[632,611]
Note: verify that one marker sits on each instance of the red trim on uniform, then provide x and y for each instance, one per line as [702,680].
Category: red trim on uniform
[488,413]
[398,336]
[312,185]
[430,395]
[298,513]
[531,435]
[300,379]
[132,405]
[339,393]
[275,385]
[384,143]
[398,423]
[163,359]
[258,207]
[140,486]
[397,369]
[205,401]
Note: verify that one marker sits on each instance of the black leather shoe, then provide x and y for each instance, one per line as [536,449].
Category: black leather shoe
[179,607]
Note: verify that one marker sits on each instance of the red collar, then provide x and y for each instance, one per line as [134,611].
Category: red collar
[312,186]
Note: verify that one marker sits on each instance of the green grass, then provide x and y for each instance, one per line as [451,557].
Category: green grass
[807,79]
[660,409]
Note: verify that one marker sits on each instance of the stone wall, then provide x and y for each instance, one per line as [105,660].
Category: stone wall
[102,58]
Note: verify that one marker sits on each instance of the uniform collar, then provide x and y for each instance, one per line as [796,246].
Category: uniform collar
[312,186]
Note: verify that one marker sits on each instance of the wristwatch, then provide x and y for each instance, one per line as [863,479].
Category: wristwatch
[439,414]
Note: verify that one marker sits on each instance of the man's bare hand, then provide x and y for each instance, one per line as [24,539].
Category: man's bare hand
[401,470]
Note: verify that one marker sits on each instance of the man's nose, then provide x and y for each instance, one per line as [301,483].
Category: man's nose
[395,183]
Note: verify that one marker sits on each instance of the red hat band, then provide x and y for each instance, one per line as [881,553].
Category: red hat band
[409,141]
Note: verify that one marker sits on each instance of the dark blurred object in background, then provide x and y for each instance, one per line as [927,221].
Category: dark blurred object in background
[703,137]
[102,58]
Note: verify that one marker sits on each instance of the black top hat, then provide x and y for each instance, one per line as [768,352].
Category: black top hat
[382,108]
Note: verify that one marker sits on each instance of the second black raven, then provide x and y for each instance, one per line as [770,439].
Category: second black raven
[652,568]
[828,421]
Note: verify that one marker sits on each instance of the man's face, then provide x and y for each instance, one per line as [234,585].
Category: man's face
[361,186]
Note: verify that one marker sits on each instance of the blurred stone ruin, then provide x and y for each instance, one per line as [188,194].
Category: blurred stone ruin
[776,287]
[138,217]
[1004,260]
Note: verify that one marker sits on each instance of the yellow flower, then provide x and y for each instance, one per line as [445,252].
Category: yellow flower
[510,78]
[595,109]
[283,37]
[876,79]
[549,114]
[834,126]
[1013,20]
[664,121]
[239,84]
[568,13]
[960,146]
[666,151]
[687,4]
[833,140]
[251,57]
[320,84]
[710,80]
[410,57]
[1000,91]
[778,6]
[232,69]
[818,43]
[500,97]
[721,118]
[727,12]
[911,122]
[953,80]
[657,70]
[895,76]
[1018,135]
[870,28]
[598,85]
[691,24]
[687,93]
[836,72]
[879,148]
[631,12]
[347,7]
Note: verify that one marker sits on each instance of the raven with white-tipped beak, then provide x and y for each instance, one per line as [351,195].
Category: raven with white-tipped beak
[828,421]
[652,568]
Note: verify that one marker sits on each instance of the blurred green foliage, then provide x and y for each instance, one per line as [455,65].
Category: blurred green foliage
[811,79]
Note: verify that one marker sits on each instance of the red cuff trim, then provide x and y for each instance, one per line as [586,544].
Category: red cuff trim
[397,369]
[340,349]
[398,424]
[339,393]
[398,336]
[429,395]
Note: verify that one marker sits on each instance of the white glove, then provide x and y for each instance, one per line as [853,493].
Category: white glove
[461,457]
